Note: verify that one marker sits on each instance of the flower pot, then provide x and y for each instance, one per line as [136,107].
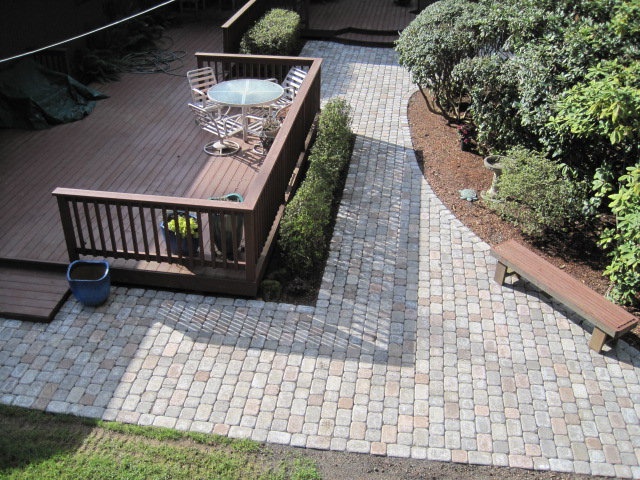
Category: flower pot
[225,227]
[177,244]
[89,281]
[267,138]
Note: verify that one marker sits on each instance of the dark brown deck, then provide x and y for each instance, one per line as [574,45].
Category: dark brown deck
[31,294]
[372,22]
[143,140]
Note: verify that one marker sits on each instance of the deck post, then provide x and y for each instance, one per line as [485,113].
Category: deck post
[251,254]
[67,226]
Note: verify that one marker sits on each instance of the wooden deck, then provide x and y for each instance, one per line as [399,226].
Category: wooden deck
[367,22]
[141,140]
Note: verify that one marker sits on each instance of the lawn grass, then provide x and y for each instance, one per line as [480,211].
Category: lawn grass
[38,445]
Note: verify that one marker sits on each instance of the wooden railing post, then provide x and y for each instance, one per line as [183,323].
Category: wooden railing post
[251,246]
[67,227]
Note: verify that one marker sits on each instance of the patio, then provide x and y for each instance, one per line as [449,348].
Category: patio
[411,350]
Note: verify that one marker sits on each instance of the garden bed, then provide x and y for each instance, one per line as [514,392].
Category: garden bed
[448,170]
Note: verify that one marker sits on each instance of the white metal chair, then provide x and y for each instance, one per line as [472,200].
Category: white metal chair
[200,81]
[291,84]
[222,126]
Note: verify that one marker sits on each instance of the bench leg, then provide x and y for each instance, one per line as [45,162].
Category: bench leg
[598,339]
[501,272]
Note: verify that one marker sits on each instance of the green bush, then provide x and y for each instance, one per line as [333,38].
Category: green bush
[441,36]
[271,290]
[304,230]
[303,227]
[276,33]
[332,149]
[623,240]
[538,194]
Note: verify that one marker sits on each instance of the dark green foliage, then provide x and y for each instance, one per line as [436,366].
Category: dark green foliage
[271,290]
[623,239]
[276,33]
[304,230]
[444,34]
[492,86]
[559,77]
[537,194]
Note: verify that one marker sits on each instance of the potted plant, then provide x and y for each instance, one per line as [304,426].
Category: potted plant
[223,231]
[176,232]
[270,128]
[89,281]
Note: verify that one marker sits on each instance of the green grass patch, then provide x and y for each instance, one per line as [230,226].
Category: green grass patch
[39,445]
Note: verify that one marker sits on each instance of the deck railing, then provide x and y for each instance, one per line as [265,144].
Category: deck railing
[234,28]
[129,226]
[234,239]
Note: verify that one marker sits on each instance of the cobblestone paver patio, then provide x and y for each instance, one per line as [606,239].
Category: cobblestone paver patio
[411,350]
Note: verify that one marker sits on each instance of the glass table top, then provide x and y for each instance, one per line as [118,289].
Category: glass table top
[245,91]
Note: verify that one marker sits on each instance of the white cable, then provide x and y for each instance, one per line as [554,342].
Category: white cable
[87,33]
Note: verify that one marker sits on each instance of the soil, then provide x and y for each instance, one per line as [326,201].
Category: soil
[356,466]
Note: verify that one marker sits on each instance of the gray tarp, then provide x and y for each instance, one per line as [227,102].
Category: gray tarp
[34,97]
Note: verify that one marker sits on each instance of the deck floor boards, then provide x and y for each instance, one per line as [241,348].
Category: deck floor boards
[377,15]
[31,294]
[142,139]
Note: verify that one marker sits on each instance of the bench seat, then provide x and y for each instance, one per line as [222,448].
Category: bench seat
[610,321]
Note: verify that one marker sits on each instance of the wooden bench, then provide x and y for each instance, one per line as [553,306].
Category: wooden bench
[610,321]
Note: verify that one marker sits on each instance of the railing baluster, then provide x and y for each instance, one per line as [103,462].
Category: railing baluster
[112,234]
[167,243]
[212,248]
[156,236]
[76,215]
[235,241]
[201,237]
[87,219]
[143,227]
[134,237]
[103,245]
[123,236]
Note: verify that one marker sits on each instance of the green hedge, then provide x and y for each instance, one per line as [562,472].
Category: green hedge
[276,33]
[304,230]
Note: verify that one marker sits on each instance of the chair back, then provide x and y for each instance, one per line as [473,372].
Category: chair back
[294,79]
[201,80]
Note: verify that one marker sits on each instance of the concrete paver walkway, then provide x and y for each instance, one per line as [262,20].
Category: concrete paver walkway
[411,350]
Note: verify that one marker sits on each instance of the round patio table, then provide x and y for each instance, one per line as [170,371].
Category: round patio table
[245,93]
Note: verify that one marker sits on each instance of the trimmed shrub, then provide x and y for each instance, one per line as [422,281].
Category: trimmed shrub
[304,230]
[331,151]
[271,290]
[276,33]
[538,194]
[303,227]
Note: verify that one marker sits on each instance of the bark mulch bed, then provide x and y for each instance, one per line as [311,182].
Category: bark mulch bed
[449,169]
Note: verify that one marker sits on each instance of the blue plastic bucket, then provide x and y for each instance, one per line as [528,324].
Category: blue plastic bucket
[90,281]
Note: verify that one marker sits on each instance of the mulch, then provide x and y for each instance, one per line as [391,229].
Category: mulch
[449,169]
